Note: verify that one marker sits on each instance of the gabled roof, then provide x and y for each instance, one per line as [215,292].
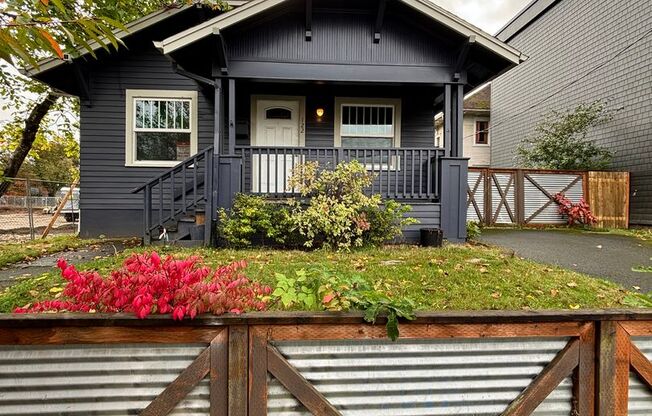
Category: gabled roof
[254,7]
[531,12]
[132,28]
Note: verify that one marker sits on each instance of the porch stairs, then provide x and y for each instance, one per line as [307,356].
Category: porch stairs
[175,203]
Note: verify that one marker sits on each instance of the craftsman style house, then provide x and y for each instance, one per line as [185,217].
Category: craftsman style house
[201,105]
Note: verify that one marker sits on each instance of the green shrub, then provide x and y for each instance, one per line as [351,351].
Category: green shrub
[338,214]
[473,230]
[253,219]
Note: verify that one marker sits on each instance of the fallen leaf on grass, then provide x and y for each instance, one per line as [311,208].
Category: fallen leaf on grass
[496,295]
[56,289]
[571,284]
[574,306]
[554,292]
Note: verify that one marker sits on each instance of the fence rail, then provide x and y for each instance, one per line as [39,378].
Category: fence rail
[579,363]
[526,196]
[399,173]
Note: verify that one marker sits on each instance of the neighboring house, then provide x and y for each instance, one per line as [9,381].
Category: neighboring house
[579,52]
[201,105]
[476,131]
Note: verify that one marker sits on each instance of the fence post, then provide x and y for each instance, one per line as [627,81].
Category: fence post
[488,211]
[613,370]
[30,214]
[519,188]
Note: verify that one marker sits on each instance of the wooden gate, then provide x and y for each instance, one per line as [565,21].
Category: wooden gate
[609,198]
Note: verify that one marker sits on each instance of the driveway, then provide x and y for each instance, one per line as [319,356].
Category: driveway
[608,256]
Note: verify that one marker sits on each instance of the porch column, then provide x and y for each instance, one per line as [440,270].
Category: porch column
[454,119]
[231,116]
[230,163]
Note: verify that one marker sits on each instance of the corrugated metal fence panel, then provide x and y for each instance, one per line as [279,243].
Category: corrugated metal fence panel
[552,183]
[94,379]
[474,177]
[421,377]
[503,216]
[640,397]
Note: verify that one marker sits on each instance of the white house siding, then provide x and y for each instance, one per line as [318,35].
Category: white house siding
[479,155]
[564,44]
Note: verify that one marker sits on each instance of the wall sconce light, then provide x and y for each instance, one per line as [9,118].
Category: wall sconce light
[320,112]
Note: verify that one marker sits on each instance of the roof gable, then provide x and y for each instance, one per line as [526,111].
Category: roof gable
[254,7]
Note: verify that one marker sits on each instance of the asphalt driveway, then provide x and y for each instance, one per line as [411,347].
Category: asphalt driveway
[608,256]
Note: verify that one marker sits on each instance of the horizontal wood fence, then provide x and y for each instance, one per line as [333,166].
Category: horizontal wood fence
[472,363]
[526,196]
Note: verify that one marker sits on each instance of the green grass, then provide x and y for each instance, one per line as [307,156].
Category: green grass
[29,250]
[454,277]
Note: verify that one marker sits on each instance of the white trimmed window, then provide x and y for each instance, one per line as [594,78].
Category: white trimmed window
[367,123]
[161,127]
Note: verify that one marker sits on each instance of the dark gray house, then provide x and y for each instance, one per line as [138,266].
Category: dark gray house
[201,105]
[581,51]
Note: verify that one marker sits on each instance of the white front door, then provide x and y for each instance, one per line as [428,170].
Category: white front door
[278,123]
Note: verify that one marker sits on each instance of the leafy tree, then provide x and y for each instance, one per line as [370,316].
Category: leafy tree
[559,140]
[34,29]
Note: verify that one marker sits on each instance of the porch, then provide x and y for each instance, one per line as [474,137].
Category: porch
[262,136]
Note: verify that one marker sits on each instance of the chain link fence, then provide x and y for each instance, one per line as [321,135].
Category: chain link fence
[29,206]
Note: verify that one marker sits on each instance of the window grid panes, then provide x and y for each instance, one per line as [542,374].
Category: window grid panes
[162,129]
[367,121]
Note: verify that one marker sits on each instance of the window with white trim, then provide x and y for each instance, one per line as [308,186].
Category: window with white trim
[161,127]
[367,125]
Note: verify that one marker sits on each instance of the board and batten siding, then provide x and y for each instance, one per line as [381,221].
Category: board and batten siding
[107,204]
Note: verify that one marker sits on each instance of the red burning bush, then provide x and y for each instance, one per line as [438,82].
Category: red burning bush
[577,213]
[147,284]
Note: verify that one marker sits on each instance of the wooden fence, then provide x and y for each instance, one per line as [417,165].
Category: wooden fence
[508,363]
[526,196]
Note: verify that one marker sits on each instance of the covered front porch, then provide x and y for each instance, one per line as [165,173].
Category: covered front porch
[294,82]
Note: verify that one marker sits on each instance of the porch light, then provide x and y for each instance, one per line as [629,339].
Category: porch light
[320,112]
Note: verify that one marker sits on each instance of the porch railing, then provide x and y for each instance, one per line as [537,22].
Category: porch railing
[399,173]
[178,191]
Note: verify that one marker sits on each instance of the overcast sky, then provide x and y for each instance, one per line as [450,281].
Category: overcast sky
[488,15]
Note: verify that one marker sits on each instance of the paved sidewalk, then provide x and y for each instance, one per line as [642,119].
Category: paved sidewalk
[11,273]
[608,256]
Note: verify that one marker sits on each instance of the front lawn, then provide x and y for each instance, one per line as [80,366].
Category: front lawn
[454,277]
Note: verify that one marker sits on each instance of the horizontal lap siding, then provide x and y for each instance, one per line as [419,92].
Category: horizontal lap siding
[565,44]
[106,182]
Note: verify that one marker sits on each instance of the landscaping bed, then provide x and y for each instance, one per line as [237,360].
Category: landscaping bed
[459,277]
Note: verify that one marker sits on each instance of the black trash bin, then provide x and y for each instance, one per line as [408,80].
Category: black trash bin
[431,237]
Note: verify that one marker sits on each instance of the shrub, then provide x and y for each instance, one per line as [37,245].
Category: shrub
[473,230]
[577,213]
[559,140]
[338,213]
[254,219]
[147,284]
[323,290]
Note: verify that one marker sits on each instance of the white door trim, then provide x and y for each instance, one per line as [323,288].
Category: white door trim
[254,115]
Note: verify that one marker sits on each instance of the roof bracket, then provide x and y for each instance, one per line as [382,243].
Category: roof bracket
[222,61]
[461,57]
[380,16]
[82,82]
[308,20]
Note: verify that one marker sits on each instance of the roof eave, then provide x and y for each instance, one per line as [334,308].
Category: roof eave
[253,7]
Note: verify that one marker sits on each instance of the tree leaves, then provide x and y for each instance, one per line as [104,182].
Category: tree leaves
[559,140]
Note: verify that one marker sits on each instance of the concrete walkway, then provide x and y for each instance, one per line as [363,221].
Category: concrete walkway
[10,274]
[608,256]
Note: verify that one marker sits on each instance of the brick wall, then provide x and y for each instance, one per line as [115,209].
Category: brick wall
[563,44]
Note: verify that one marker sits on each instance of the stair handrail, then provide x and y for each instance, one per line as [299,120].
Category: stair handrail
[176,168]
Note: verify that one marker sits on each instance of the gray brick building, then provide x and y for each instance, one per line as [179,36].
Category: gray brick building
[566,41]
